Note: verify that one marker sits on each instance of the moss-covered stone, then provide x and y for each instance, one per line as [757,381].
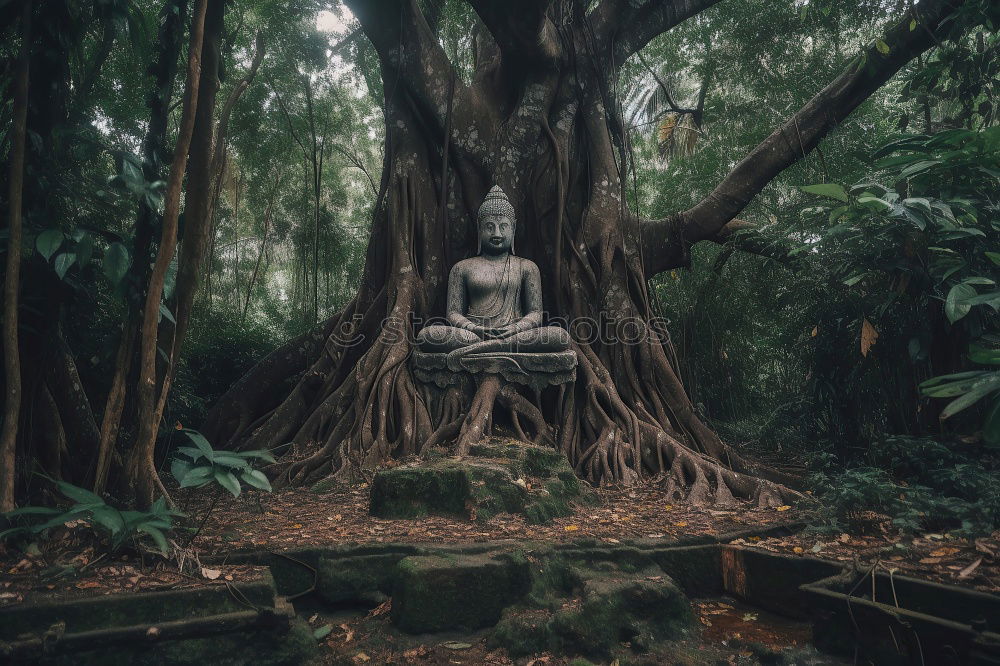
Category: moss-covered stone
[270,647]
[99,612]
[498,477]
[596,609]
[416,491]
[365,578]
[436,593]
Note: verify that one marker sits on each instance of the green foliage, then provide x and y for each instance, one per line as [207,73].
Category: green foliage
[219,350]
[970,387]
[120,527]
[226,468]
[934,485]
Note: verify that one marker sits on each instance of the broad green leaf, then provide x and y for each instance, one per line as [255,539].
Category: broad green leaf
[874,203]
[262,454]
[991,299]
[230,460]
[984,355]
[882,47]
[994,257]
[955,306]
[919,203]
[191,452]
[48,242]
[200,441]
[991,425]
[828,190]
[78,494]
[33,511]
[918,168]
[109,517]
[979,390]
[322,632]
[158,537]
[256,478]
[165,312]
[116,263]
[179,469]
[228,481]
[197,476]
[947,386]
[63,262]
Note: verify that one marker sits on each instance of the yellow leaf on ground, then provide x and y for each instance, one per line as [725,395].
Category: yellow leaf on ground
[944,551]
[571,528]
[868,336]
[797,549]
[782,508]
[669,507]
[296,526]
[815,331]
[680,523]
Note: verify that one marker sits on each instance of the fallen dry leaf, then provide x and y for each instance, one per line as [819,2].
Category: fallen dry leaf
[210,574]
[930,560]
[944,551]
[868,336]
[571,528]
[381,609]
[782,508]
[967,571]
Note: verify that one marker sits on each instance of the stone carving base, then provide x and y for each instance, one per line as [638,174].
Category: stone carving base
[462,403]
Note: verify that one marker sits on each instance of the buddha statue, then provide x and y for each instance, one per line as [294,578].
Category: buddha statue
[494,298]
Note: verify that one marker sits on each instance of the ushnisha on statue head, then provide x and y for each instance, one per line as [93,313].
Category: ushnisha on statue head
[496,224]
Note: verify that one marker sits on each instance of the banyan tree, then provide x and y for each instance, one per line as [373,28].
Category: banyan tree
[541,118]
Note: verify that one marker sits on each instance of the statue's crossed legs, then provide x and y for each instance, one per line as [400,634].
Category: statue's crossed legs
[459,342]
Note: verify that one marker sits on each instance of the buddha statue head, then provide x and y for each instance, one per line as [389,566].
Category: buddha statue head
[496,223]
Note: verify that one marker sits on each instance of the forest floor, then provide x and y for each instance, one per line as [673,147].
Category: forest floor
[70,561]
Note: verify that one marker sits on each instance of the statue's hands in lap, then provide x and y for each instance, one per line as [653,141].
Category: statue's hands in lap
[501,333]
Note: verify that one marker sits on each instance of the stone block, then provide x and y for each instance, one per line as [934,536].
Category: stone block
[438,593]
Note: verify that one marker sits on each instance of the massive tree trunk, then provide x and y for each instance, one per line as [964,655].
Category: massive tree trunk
[539,119]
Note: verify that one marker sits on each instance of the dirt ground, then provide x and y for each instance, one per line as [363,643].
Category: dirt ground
[71,561]
[728,633]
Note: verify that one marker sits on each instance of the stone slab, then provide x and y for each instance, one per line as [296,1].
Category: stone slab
[437,593]
[537,370]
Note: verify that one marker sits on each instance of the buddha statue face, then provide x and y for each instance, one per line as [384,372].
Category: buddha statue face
[496,234]
[496,223]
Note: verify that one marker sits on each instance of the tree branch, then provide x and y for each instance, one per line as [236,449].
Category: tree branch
[625,28]
[409,53]
[521,29]
[665,241]
[743,236]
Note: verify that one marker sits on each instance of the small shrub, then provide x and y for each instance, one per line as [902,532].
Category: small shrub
[934,486]
[119,527]
[226,468]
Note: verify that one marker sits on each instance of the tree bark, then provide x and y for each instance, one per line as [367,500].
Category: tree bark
[11,286]
[163,70]
[141,469]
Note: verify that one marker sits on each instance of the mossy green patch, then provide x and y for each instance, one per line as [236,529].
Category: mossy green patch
[596,609]
[436,593]
[496,478]
[365,578]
